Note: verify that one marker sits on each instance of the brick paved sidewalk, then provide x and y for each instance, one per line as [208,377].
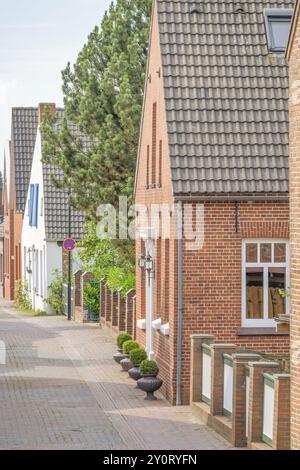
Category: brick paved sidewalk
[60,389]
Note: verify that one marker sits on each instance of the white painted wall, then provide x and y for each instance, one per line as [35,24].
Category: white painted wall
[35,245]
[228,388]
[206,375]
[268,419]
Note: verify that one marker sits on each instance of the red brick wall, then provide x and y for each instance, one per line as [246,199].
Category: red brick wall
[213,276]
[217,267]
[294,64]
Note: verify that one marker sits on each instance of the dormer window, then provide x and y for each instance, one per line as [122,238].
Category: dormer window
[278,23]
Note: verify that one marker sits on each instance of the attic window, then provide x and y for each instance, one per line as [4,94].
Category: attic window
[278,23]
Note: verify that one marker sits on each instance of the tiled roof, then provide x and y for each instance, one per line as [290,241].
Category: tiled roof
[56,203]
[24,130]
[226,97]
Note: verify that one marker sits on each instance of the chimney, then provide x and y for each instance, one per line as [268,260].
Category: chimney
[41,109]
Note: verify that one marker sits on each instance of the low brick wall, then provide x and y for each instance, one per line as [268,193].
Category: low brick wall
[227,393]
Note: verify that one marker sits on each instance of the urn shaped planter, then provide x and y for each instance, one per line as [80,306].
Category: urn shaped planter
[149,384]
[126,363]
[119,356]
[134,373]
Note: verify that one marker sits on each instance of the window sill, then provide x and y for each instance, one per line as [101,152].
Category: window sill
[260,332]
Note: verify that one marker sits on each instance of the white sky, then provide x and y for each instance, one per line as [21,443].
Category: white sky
[37,39]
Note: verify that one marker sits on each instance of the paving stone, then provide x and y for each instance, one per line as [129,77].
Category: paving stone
[60,389]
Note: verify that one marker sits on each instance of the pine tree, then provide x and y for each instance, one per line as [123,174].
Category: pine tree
[103,96]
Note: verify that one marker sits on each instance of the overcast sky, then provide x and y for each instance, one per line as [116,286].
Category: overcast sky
[37,39]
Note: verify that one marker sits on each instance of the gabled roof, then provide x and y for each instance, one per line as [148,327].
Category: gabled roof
[56,201]
[226,97]
[23,135]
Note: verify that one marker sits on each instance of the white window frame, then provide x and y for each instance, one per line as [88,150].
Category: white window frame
[265,322]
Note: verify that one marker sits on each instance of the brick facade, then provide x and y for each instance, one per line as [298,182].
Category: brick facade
[12,226]
[212,275]
[293,54]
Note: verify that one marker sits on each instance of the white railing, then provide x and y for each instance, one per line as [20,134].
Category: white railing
[268,415]
[228,385]
[206,373]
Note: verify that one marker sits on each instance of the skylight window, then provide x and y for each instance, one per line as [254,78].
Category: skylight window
[278,23]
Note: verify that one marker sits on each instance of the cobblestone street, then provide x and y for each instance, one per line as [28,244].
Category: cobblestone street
[60,389]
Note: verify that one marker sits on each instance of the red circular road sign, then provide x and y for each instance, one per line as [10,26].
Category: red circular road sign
[69,244]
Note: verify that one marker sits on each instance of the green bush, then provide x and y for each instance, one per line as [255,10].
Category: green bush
[22,295]
[121,338]
[55,299]
[149,368]
[129,346]
[137,356]
[91,298]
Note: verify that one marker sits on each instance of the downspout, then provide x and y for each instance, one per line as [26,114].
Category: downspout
[180,305]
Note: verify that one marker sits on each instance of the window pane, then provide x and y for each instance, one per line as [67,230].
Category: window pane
[251,253]
[266,253]
[279,30]
[276,292]
[255,293]
[280,253]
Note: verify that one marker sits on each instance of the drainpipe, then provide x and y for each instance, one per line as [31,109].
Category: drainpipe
[180,306]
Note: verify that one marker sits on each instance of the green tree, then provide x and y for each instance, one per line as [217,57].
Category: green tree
[103,96]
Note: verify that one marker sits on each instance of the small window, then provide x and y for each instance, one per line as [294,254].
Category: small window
[266,282]
[278,23]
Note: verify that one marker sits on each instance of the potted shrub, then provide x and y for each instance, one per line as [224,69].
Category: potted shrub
[127,347]
[136,357]
[121,338]
[149,382]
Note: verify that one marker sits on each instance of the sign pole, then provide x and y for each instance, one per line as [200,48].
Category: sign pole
[69,263]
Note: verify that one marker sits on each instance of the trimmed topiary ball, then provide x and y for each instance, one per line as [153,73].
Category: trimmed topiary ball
[129,346]
[149,368]
[121,338]
[137,356]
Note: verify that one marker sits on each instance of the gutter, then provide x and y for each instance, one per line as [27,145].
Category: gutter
[213,198]
[180,307]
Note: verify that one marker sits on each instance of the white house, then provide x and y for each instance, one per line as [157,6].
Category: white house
[45,227]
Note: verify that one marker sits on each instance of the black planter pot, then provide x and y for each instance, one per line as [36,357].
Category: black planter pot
[119,356]
[126,363]
[149,384]
[134,373]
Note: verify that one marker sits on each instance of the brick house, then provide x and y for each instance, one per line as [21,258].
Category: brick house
[293,56]
[214,149]
[15,184]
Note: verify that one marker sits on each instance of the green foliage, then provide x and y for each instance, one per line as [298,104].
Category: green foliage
[91,298]
[149,368]
[121,338]
[129,346]
[137,356]
[55,299]
[22,295]
[103,97]
[104,260]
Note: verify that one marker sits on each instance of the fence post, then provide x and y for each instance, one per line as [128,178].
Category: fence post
[239,397]
[77,288]
[217,376]
[102,299]
[129,324]
[256,394]
[85,279]
[107,304]
[121,311]
[114,308]
[282,412]
[196,365]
